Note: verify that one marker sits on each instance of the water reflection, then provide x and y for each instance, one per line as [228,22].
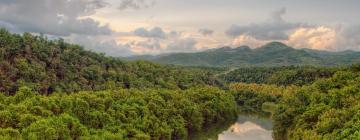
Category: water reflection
[248,128]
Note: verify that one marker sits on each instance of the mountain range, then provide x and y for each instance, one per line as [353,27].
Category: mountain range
[271,54]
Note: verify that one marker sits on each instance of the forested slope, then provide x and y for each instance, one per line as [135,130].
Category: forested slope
[286,75]
[327,108]
[270,55]
[53,65]
[54,90]
[113,114]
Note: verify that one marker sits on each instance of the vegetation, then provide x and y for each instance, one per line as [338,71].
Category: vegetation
[114,114]
[52,90]
[272,54]
[252,97]
[327,109]
[48,66]
[290,75]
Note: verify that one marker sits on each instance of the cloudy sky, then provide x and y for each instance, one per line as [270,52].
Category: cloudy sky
[128,27]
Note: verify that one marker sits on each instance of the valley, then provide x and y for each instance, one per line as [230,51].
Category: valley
[55,90]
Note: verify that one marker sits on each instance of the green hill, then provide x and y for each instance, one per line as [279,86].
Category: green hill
[49,66]
[56,90]
[272,54]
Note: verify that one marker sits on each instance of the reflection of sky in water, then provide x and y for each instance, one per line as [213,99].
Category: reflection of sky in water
[248,128]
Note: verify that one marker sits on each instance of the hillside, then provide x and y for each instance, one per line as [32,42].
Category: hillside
[56,90]
[49,66]
[272,54]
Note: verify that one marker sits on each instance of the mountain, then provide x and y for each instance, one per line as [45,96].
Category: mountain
[271,54]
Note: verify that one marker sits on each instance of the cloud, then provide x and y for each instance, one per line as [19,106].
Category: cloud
[103,44]
[273,29]
[206,32]
[155,32]
[54,17]
[350,38]
[317,37]
[320,38]
[298,35]
[182,45]
[152,44]
[244,40]
[9,27]
[135,4]
[326,38]
[148,46]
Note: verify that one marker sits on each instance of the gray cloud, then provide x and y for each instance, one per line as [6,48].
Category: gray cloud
[206,32]
[182,45]
[102,44]
[9,27]
[153,44]
[350,38]
[135,4]
[155,32]
[54,17]
[273,29]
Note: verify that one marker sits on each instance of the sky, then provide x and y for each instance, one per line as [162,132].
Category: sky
[136,27]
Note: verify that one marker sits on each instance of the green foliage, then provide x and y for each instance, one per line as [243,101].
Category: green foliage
[9,134]
[271,54]
[290,75]
[327,109]
[114,114]
[256,98]
[48,66]
[55,90]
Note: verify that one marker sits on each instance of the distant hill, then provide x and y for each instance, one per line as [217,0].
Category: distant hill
[271,54]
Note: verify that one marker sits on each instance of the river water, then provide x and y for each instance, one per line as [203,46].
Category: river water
[246,127]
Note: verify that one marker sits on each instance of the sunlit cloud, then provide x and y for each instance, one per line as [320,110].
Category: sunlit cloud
[130,27]
[320,38]
[245,40]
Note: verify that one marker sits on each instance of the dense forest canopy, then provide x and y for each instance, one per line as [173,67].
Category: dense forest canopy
[53,65]
[327,109]
[286,75]
[113,114]
[53,90]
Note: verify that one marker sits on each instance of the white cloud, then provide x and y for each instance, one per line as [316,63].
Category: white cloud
[320,38]
[245,40]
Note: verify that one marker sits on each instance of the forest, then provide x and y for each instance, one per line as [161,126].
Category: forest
[49,66]
[272,54]
[53,90]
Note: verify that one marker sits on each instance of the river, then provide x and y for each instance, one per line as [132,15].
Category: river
[246,127]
